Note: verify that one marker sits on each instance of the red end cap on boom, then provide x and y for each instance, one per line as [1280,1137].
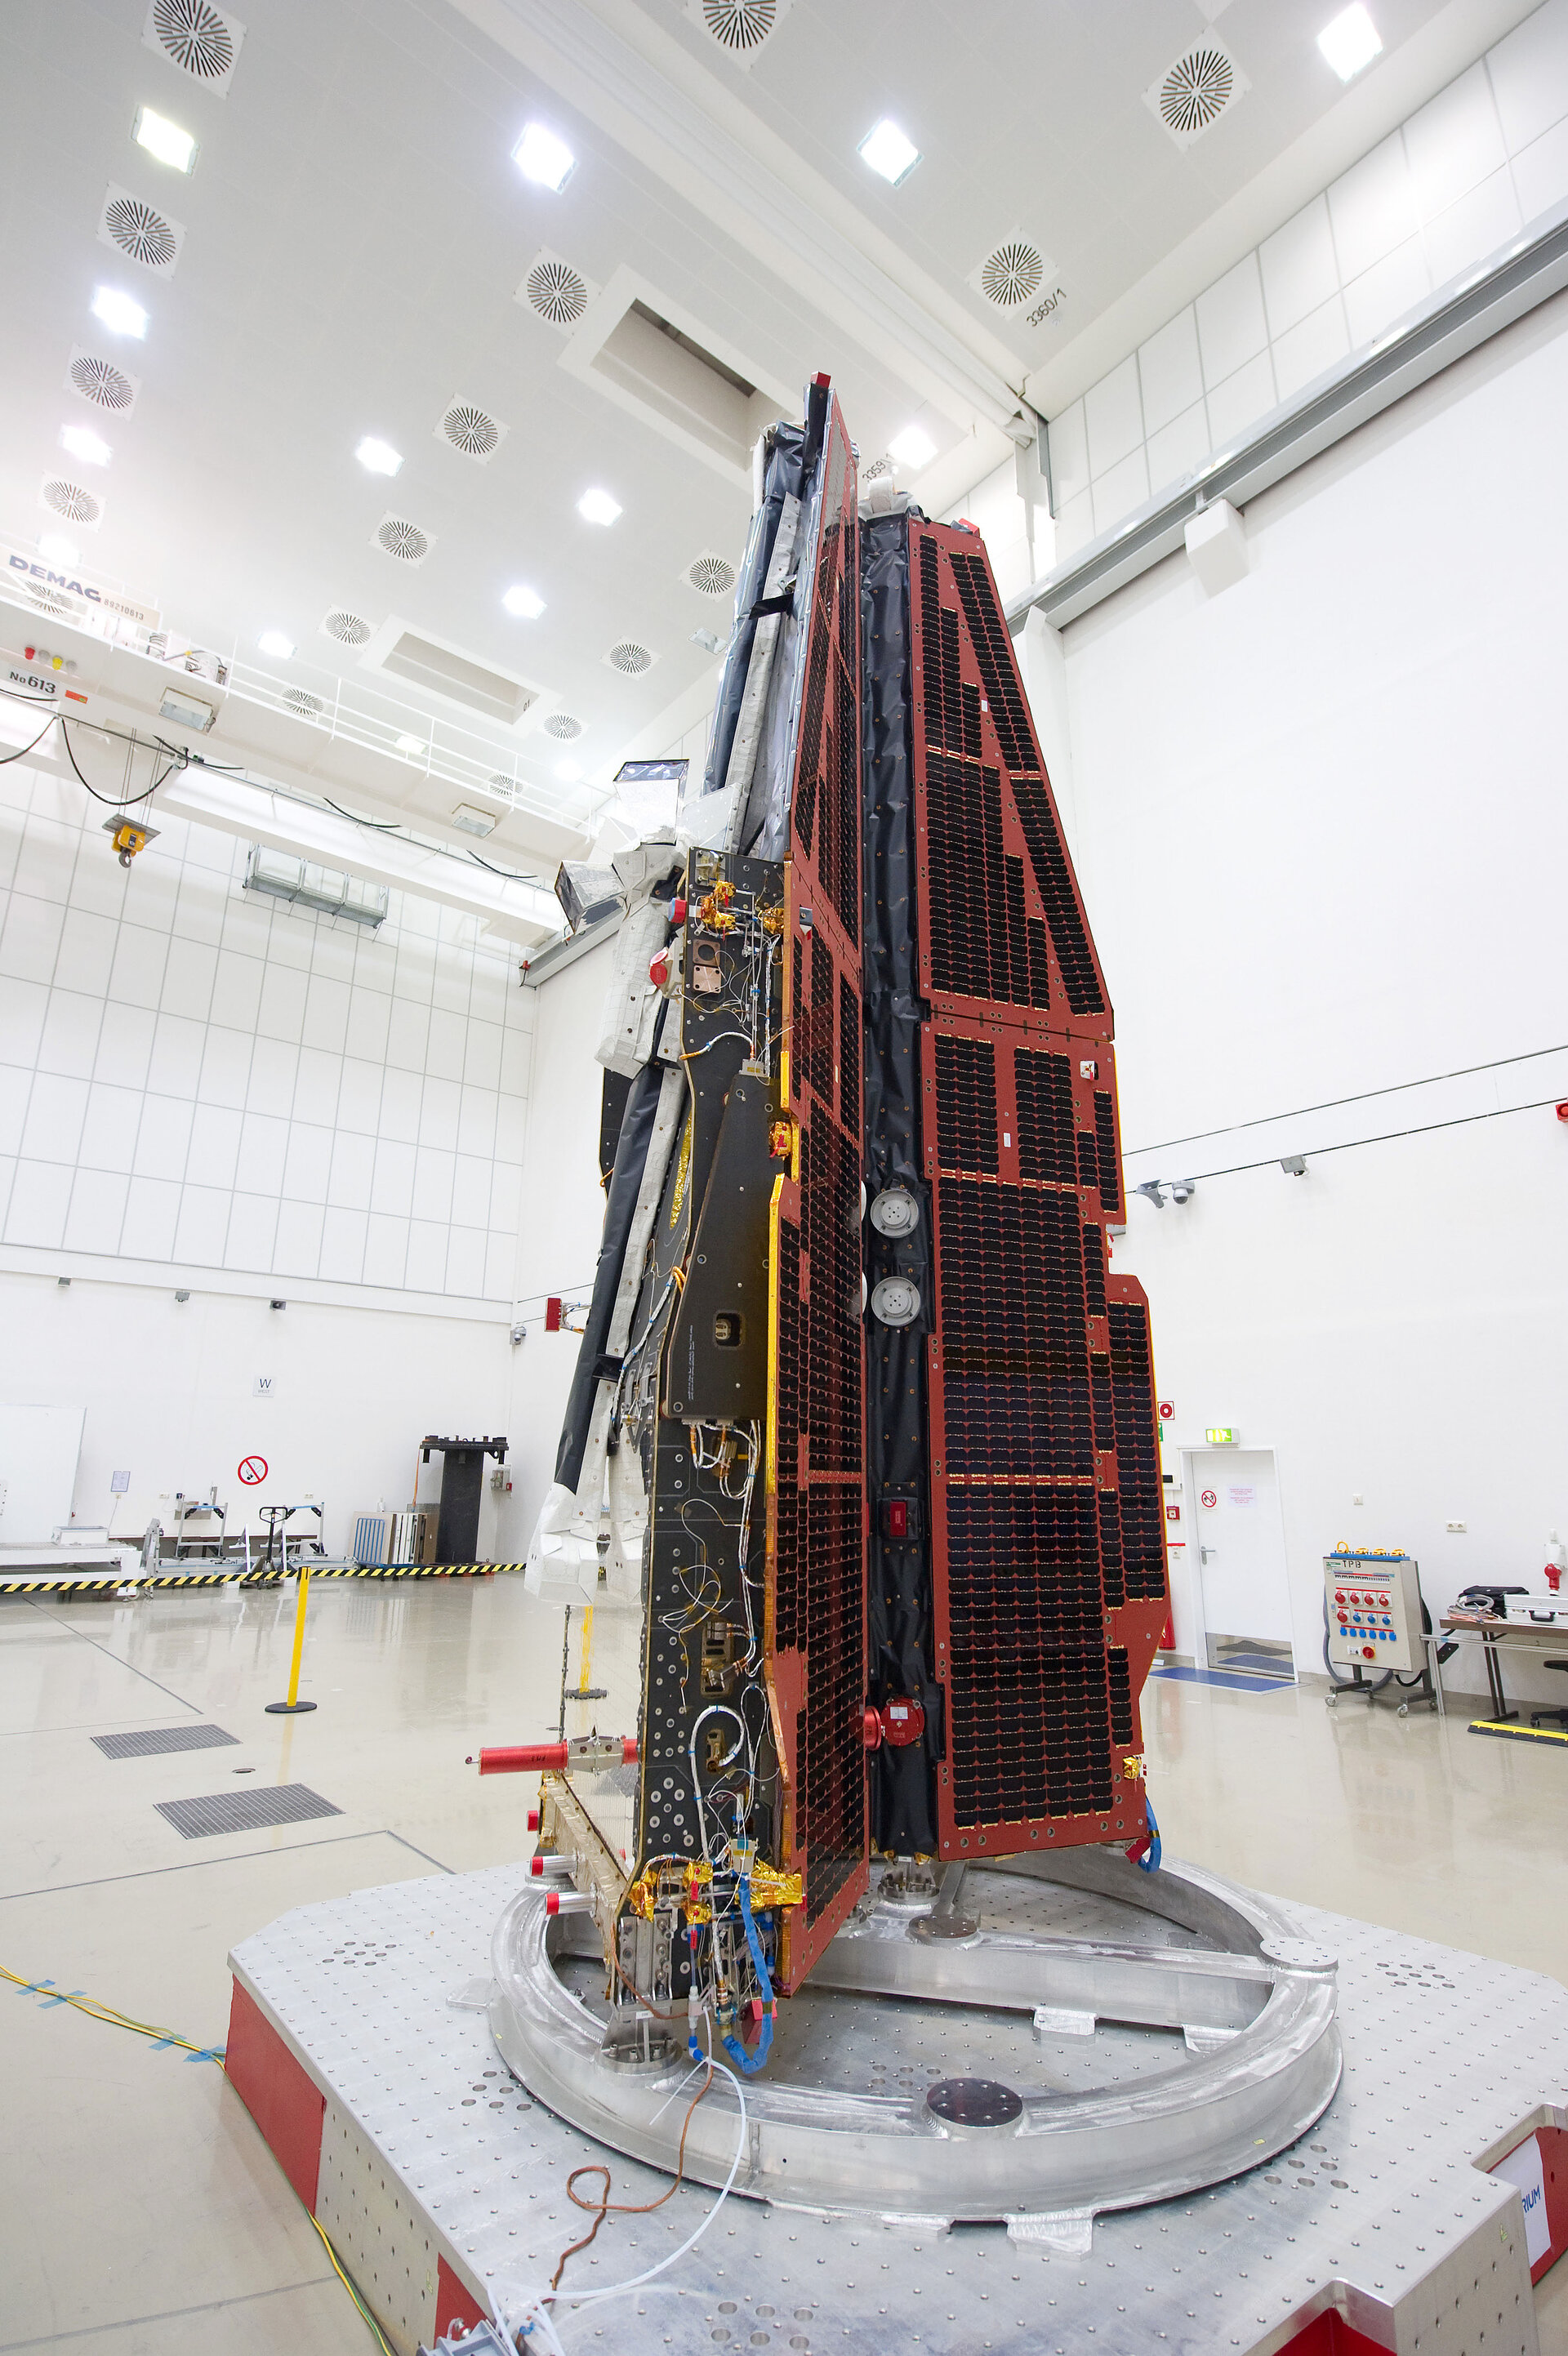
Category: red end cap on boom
[539,1758]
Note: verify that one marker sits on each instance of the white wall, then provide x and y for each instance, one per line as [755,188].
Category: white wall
[1452,184]
[204,1091]
[562,1214]
[168,1387]
[1323,835]
[195,1077]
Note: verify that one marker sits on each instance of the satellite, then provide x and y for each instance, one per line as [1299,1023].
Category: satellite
[861,1445]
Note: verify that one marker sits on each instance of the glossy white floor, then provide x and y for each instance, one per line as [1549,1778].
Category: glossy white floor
[140,2210]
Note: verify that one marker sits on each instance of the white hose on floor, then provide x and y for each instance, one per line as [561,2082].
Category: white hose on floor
[532,2312]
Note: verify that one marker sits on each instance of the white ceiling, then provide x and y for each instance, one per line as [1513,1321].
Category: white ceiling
[355,229]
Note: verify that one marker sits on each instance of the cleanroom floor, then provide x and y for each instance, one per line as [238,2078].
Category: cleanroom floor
[140,2210]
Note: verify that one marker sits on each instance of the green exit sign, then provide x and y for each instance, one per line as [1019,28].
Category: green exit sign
[1221,1435]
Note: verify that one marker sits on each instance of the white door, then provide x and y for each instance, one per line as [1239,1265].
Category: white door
[1240,1539]
[38,1450]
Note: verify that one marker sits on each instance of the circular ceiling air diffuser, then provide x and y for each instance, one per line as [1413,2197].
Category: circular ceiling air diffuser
[629,656]
[1012,275]
[102,382]
[557,292]
[470,431]
[194,37]
[1196,90]
[43,603]
[713,575]
[564,726]
[405,541]
[300,700]
[740,26]
[141,232]
[346,628]
[70,500]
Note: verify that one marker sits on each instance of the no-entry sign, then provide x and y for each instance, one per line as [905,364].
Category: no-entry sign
[1208,1498]
[252,1471]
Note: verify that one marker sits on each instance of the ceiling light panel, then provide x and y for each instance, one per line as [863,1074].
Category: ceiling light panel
[99,380]
[85,444]
[555,290]
[526,604]
[165,139]
[470,430]
[1351,42]
[543,158]
[469,821]
[597,507]
[202,40]
[119,312]
[274,643]
[378,457]
[55,549]
[890,152]
[912,449]
[740,28]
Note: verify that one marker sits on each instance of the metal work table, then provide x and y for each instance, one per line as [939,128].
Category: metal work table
[1496,1636]
[439,2177]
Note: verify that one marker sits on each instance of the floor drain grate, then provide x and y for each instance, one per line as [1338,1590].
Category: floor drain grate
[147,1741]
[245,1812]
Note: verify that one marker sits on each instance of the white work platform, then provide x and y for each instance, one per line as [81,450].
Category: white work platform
[361,2041]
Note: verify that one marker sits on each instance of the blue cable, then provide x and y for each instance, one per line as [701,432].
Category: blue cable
[752,2062]
[1150,1861]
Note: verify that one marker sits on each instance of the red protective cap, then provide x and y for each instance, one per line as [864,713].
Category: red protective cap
[628,1749]
[1563,1112]
[522,1758]
[533,1820]
[870,1727]
[658,972]
[677,912]
[536,1865]
[902,1722]
[553,1903]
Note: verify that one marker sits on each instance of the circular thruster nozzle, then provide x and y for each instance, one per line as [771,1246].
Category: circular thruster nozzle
[974,2103]
[895,1301]
[895,1212]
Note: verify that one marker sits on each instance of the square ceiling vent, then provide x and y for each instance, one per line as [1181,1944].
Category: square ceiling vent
[1014,275]
[742,29]
[201,40]
[1195,90]
[555,290]
[468,428]
[405,541]
[101,381]
[140,231]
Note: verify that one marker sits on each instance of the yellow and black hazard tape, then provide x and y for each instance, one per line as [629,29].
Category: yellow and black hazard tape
[411,1570]
[143,1583]
[1518,1733]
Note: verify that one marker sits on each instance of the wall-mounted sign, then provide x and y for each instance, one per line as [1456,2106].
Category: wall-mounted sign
[1172,1513]
[1221,1435]
[1167,1410]
[1209,1499]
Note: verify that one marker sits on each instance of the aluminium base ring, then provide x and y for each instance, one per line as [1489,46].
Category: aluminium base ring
[1259,2064]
